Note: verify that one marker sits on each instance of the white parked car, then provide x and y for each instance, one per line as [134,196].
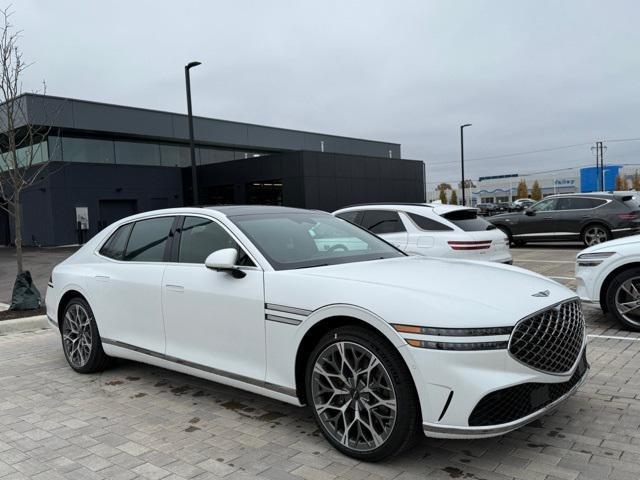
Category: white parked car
[608,274]
[251,297]
[446,231]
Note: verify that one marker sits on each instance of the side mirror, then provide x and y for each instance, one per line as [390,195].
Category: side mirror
[530,212]
[225,261]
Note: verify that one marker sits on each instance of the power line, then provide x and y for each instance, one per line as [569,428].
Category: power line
[532,152]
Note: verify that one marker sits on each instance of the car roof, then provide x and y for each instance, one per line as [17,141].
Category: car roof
[235,210]
[604,195]
[418,208]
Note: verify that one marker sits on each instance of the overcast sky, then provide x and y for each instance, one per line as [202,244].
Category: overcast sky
[529,75]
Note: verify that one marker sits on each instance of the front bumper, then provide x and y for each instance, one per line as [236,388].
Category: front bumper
[547,405]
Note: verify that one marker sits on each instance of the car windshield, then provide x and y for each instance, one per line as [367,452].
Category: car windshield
[304,240]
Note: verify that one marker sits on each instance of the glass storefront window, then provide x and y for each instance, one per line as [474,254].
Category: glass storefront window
[26,156]
[137,153]
[174,156]
[212,155]
[86,150]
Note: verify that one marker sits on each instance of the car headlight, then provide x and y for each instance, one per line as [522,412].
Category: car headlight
[593,259]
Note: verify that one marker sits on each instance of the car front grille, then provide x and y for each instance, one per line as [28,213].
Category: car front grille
[550,341]
[519,401]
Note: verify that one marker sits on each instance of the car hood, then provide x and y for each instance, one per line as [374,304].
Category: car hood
[611,245]
[421,290]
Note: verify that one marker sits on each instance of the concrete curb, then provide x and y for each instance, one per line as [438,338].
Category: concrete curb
[26,324]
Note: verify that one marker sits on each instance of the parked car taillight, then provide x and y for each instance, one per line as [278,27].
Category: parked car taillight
[469,245]
[628,216]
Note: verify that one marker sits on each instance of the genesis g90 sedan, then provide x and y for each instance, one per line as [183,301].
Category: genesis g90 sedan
[379,345]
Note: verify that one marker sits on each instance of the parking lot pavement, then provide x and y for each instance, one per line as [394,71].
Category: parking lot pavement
[136,421]
[554,261]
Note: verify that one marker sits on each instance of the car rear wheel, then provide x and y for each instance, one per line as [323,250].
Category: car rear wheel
[80,338]
[623,298]
[595,234]
[362,394]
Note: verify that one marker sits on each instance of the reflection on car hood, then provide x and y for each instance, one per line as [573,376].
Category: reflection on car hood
[422,290]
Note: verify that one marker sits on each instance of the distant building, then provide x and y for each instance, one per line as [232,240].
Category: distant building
[110,161]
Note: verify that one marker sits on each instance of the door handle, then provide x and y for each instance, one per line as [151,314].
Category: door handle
[101,278]
[548,218]
[175,288]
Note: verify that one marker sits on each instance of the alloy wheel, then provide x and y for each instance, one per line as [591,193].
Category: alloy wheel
[353,396]
[595,235]
[627,299]
[77,335]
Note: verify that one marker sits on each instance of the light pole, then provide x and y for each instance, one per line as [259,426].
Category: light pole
[194,176]
[464,201]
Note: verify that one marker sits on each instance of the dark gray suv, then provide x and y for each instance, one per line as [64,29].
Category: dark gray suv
[589,217]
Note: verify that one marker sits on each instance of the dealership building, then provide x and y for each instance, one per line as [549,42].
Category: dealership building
[109,161]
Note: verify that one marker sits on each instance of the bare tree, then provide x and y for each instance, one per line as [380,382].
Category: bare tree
[24,157]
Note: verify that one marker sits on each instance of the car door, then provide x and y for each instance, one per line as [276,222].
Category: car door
[213,319]
[127,284]
[538,221]
[386,224]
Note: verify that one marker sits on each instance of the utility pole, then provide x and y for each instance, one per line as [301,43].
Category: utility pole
[192,147]
[599,149]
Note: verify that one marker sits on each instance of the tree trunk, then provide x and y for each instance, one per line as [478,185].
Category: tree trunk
[18,226]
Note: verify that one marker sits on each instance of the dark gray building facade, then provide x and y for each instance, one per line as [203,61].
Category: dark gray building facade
[108,161]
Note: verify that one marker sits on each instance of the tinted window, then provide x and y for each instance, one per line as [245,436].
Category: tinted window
[148,240]
[349,216]
[545,205]
[114,248]
[468,220]
[382,221]
[302,240]
[578,203]
[200,237]
[425,223]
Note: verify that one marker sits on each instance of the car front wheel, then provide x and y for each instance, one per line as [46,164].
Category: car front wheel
[80,339]
[623,298]
[362,394]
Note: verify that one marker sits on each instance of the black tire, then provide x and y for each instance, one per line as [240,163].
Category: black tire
[93,358]
[403,432]
[589,237]
[627,320]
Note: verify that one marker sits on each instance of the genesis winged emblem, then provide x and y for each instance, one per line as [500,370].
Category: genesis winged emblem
[543,293]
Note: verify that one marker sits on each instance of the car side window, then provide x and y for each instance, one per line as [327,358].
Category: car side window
[565,204]
[579,203]
[349,216]
[200,237]
[545,205]
[114,247]
[148,240]
[382,221]
[428,224]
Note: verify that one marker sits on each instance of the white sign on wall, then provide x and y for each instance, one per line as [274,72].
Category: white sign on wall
[82,217]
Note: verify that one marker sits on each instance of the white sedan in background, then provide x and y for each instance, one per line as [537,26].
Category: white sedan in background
[254,298]
[446,231]
[609,274]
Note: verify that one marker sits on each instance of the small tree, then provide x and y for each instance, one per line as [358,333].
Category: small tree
[23,161]
[443,196]
[523,191]
[454,198]
[536,192]
[621,183]
[635,181]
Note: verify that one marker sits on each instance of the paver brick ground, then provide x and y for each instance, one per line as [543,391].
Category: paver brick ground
[140,422]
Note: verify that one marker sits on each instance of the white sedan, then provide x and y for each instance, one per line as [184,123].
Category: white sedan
[445,231]
[608,274]
[252,297]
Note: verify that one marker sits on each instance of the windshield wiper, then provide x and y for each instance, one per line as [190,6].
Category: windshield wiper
[313,266]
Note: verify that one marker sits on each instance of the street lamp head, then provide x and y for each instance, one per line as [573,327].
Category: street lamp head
[465,125]
[192,64]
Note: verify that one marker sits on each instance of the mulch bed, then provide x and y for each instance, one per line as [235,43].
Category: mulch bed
[12,314]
